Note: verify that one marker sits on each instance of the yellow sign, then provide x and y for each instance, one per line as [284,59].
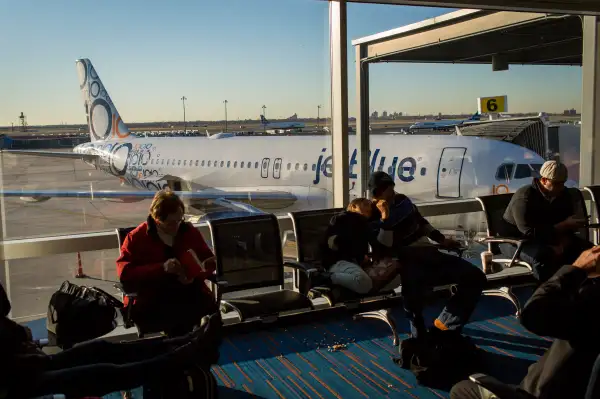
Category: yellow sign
[490,105]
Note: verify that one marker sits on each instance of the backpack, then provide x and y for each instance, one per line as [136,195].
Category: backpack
[80,313]
[440,359]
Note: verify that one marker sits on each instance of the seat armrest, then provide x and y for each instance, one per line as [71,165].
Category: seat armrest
[503,240]
[119,287]
[498,388]
[304,267]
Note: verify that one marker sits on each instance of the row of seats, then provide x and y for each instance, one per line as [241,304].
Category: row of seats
[249,256]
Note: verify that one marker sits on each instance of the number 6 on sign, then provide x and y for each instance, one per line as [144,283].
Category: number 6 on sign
[486,105]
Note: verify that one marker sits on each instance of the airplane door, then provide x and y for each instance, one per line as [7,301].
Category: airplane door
[277,168]
[450,171]
[264,169]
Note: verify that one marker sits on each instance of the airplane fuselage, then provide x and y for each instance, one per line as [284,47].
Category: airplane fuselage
[427,168]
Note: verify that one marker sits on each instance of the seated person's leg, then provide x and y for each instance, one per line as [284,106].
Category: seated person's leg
[542,259]
[350,275]
[593,388]
[102,379]
[466,390]
[469,281]
[413,275]
[207,338]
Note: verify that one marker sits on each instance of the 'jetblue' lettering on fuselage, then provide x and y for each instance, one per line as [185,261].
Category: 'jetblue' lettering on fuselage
[403,170]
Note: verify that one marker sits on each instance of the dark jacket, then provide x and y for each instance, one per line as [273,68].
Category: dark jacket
[143,254]
[530,214]
[405,222]
[353,235]
[567,308]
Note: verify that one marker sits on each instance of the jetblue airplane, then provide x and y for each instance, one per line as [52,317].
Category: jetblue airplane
[280,125]
[278,174]
[443,124]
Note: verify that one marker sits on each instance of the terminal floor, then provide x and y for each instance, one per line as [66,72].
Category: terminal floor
[295,362]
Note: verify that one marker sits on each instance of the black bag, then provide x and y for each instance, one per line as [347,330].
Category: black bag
[440,359]
[77,314]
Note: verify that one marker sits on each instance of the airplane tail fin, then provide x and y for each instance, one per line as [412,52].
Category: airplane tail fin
[104,121]
[263,120]
[475,116]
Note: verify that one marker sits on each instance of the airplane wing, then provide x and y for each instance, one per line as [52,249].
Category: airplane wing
[54,154]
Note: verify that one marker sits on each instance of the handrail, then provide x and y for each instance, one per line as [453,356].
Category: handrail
[34,247]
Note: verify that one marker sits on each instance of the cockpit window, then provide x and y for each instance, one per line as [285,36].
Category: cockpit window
[524,170]
[505,171]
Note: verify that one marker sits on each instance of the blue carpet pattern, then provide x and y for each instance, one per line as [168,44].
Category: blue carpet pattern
[297,362]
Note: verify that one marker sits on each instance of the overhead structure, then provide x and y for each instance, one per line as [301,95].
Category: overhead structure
[581,7]
[497,38]
[528,132]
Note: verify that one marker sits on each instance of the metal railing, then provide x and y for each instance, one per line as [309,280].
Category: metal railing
[34,247]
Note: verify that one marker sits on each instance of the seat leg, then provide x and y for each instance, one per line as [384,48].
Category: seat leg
[507,293]
[385,316]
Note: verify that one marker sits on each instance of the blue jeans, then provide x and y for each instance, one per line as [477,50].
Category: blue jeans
[426,267]
[542,257]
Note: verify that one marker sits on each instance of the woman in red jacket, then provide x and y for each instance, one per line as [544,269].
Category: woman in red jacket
[157,264]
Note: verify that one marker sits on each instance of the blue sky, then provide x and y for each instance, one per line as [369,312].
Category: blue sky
[149,53]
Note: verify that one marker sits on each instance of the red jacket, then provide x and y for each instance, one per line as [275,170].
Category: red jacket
[143,255]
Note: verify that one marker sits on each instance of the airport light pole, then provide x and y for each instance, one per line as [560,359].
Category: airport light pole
[225,102]
[264,107]
[184,124]
[318,114]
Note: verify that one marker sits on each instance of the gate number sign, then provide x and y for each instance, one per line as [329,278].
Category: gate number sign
[490,105]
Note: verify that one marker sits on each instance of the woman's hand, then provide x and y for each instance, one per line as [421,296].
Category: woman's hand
[173,266]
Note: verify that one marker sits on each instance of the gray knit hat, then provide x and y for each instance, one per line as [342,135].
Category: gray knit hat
[554,170]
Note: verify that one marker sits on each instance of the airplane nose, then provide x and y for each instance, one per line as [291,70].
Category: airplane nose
[571,184]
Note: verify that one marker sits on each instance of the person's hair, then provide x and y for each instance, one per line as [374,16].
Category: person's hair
[165,203]
[358,204]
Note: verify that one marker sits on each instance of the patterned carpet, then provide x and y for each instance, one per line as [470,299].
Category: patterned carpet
[297,362]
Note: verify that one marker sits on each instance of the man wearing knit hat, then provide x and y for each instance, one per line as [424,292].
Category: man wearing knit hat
[544,213]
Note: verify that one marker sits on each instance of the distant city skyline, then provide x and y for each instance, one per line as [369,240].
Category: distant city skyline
[250,53]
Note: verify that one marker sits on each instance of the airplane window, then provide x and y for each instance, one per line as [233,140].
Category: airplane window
[162,162]
[179,162]
[209,163]
[524,170]
[168,161]
[297,166]
[235,164]
[202,164]
[505,171]
[196,162]
[256,165]
[215,164]
[191,162]
[222,163]
[314,167]
[289,166]
[305,166]
[228,163]
[423,171]
[242,164]
[249,165]
[184,162]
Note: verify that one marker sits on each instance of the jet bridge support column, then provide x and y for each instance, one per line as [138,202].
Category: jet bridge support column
[339,101]
[362,120]
[589,155]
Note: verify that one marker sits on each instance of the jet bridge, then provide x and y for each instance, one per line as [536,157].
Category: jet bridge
[530,132]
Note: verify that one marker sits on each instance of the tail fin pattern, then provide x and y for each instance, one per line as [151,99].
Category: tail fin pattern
[263,120]
[103,118]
